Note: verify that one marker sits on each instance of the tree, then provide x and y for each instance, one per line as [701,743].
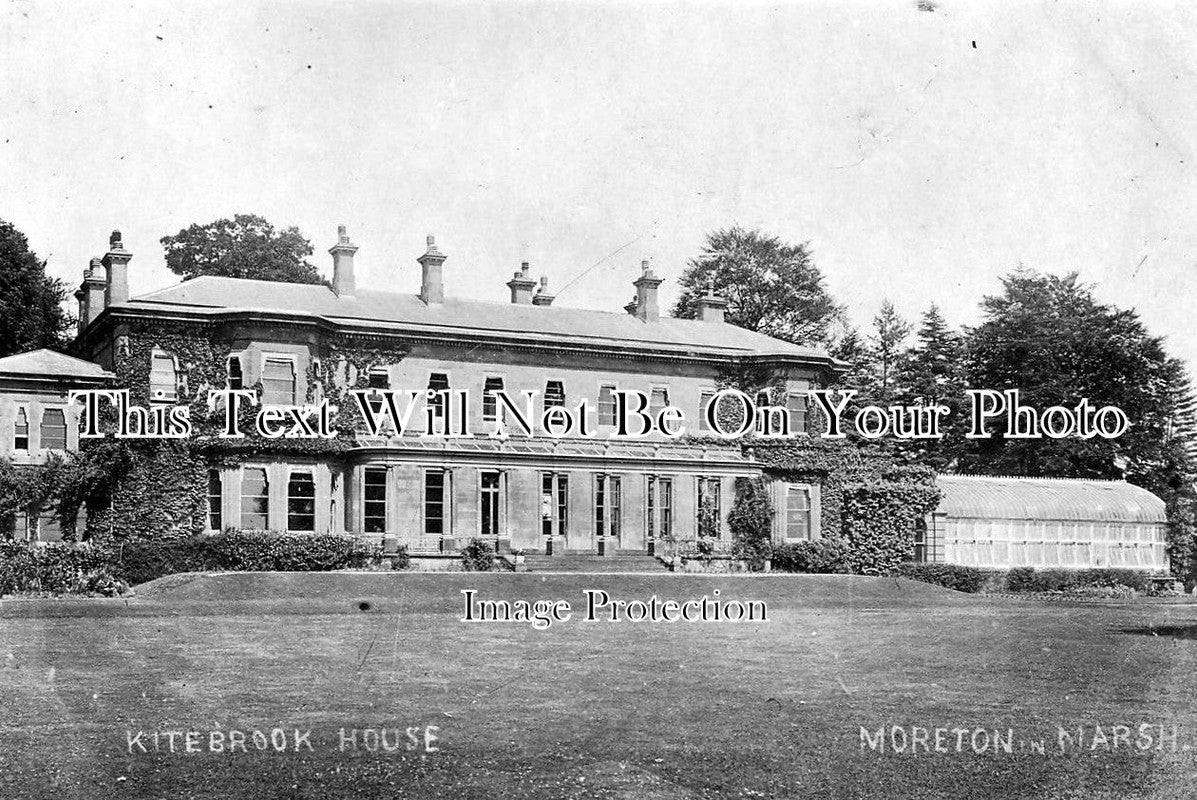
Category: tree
[31,303]
[885,346]
[1048,337]
[932,374]
[246,246]
[771,287]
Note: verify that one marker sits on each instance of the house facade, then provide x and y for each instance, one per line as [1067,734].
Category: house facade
[300,344]
[41,422]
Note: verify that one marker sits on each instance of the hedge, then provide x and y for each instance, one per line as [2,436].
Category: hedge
[821,556]
[239,551]
[950,576]
[55,568]
[1029,579]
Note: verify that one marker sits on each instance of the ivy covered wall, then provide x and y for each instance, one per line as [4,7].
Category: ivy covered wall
[157,488]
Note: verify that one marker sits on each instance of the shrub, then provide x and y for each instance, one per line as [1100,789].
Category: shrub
[1029,579]
[478,556]
[1020,579]
[879,520]
[55,568]
[950,576]
[239,551]
[821,556]
[400,559]
[751,522]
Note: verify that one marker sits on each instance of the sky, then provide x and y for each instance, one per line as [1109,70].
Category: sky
[922,151]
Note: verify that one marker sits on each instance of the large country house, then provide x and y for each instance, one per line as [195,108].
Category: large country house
[299,343]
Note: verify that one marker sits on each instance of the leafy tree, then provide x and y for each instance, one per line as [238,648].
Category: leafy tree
[31,303]
[885,347]
[1049,337]
[771,287]
[247,246]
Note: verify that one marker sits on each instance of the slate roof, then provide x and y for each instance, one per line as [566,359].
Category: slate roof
[409,313]
[49,364]
[978,497]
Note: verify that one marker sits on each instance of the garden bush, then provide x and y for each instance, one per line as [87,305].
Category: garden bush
[239,551]
[950,576]
[478,556]
[820,556]
[1029,579]
[55,568]
[751,522]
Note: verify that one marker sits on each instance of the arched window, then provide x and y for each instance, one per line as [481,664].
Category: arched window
[54,429]
[20,437]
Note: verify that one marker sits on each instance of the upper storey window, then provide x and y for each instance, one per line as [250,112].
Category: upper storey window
[164,377]
[20,438]
[54,429]
[278,381]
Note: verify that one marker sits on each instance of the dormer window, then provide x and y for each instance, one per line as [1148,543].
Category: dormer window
[164,377]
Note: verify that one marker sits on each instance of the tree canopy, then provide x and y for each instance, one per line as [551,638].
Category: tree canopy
[31,303]
[1050,338]
[247,246]
[772,287]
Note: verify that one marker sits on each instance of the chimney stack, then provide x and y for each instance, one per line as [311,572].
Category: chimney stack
[646,294]
[432,283]
[344,283]
[710,306]
[116,262]
[543,297]
[91,294]
[521,286]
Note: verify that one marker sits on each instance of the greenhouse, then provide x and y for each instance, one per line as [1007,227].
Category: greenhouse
[1044,522]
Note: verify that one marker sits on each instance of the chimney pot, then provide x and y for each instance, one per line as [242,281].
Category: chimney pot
[543,297]
[116,264]
[521,286]
[711,307]
[432,283]
[646,294]
[344,280]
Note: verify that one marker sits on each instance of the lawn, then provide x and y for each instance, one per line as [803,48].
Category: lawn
[587,709]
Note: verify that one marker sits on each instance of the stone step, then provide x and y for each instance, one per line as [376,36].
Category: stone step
[593,563]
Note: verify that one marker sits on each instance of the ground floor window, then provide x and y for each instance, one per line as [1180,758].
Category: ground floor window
[435,485]
[301,503]
[920,539]
[255,499]
[798,513]
[215,495]
[489,500]
[659,507]
[554,504]
[375,500]
[710,507]
[608,502]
